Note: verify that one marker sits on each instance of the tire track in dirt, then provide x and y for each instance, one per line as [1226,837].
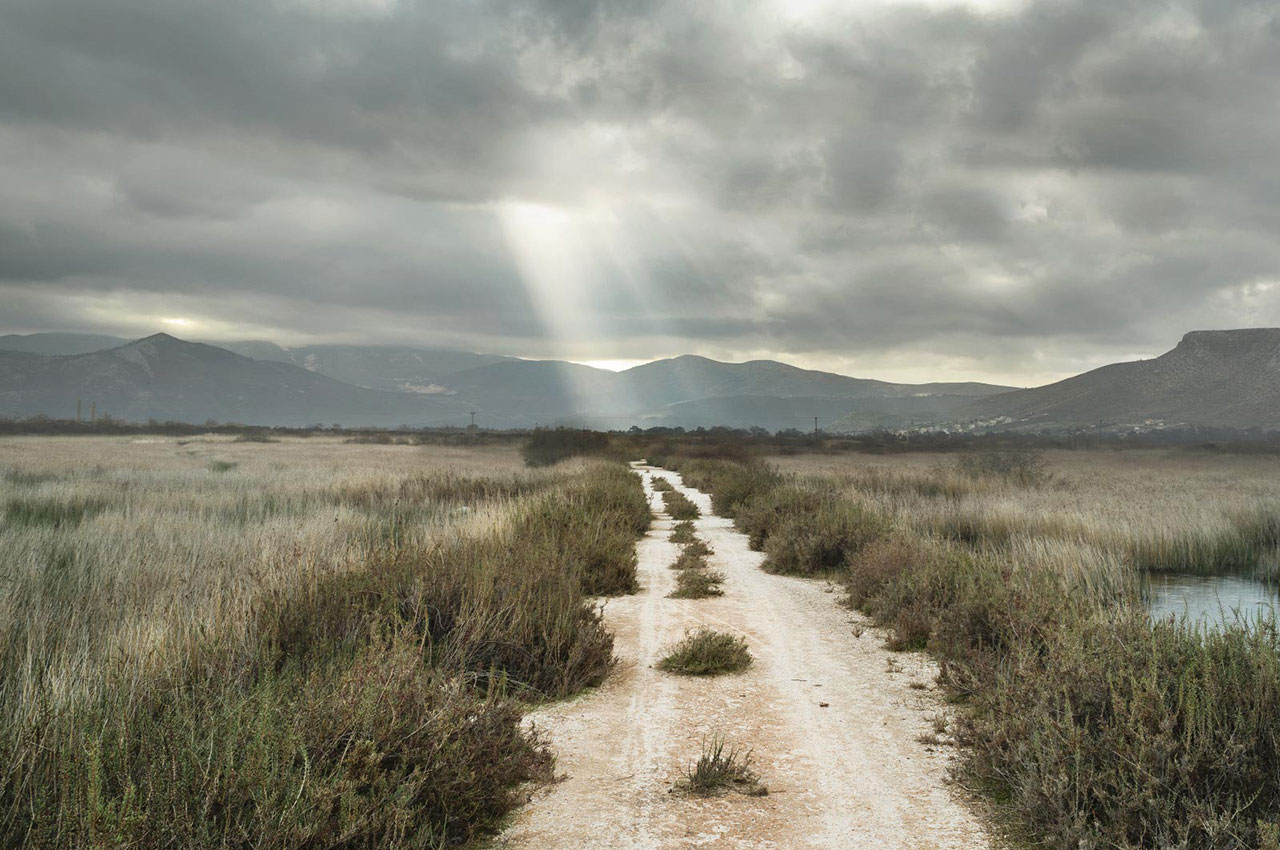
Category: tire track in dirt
[833,731]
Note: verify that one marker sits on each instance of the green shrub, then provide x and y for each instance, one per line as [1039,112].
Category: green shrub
[731,483]
[687,560]
[547,446]
[679,507]
[697,548]
[771,509]
[823,540]
[661,485]
[707,653]
[682,532]
[697,584]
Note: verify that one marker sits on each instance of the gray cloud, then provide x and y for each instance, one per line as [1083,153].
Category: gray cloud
[988,190]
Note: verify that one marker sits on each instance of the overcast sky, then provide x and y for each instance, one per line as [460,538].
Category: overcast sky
[998,191]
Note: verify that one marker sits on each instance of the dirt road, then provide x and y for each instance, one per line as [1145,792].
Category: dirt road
[831,718]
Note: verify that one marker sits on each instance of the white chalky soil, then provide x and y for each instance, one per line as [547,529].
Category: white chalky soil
[848,774]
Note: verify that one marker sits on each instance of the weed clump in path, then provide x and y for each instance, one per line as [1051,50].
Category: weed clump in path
[661,485]
[689,561]
[697,549]
[679,506]
[707,653]
[682,533]
[719,769]
[697,584]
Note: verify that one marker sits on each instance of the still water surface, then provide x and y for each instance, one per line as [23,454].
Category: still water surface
[1211,600]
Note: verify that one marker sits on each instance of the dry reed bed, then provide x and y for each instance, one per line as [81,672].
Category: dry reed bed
[1179,510]
[299,644]
[1098,727]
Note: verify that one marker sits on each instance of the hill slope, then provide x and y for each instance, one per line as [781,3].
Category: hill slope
[1225,378]
[166,378]
[264,383]
[690,378]
[399,368]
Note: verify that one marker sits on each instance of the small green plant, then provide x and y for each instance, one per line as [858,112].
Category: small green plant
[707,653]
[697,584]
[689,561]
[682,533]
[679,506]
[222,466]
[661,485]
[697,548]
[721,768]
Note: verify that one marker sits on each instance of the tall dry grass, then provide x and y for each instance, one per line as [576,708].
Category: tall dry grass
[298,644]
[1165,510]
[1098,727]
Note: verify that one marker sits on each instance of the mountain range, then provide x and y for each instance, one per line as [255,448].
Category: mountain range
[1227,378]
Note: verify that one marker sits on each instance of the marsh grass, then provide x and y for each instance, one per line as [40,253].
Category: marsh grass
[707,653]
[52,512]
[1097,727]
[678,506]
[328,647]
[698,584]
[720,769]
[806,530]
[731,483]
[661,485]
[1024,468]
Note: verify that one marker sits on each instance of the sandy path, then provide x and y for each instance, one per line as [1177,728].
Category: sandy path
[847,774]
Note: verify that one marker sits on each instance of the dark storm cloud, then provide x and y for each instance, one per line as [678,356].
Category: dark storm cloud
[997,184]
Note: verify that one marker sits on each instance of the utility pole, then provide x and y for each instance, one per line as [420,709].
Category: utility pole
[473,419]
[815,426]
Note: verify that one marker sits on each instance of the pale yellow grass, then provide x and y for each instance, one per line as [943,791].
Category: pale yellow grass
[1094,509]
[185,536]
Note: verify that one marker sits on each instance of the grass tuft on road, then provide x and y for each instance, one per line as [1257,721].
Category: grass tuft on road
[697,584]
[720,769]
[707,653]
[682,533]
[679,506]
[689,561]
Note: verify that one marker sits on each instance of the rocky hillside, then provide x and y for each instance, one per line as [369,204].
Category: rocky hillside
[1225,378]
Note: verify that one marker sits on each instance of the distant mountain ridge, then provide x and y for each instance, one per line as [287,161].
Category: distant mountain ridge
[399,368]
[1225,378]
[161,377]
[686,391]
